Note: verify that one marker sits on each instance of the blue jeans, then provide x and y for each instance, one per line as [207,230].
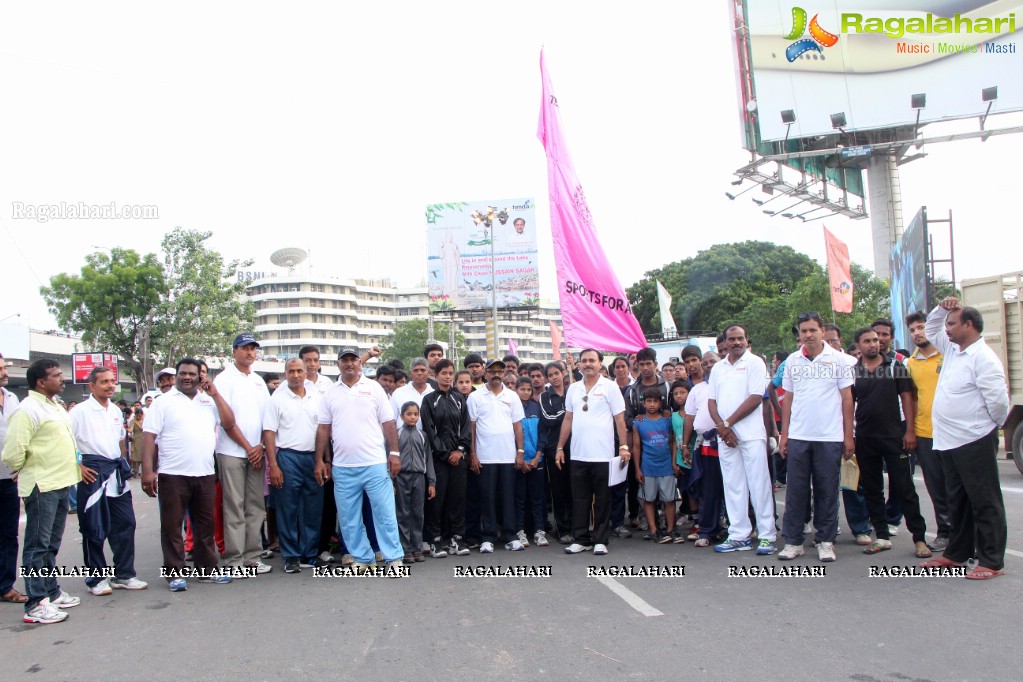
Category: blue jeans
[856,511]
[45,515]
[10,508]
[349,484]
[299,505]
[821,462]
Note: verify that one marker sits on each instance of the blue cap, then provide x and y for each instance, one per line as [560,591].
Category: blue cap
[245,339]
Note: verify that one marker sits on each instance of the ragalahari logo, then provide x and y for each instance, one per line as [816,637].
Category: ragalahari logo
[819,38]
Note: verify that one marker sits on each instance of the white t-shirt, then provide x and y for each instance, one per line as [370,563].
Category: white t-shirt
[98,430]
[322,384]
[187,431]
[815,390]
[293,418]
[593,429]
[696,406]
[10,404]
[355,415]
[494,416]
[247,395]
[408,393]
[731,385]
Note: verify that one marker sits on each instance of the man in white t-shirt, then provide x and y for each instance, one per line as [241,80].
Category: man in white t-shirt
[10,503]
[414,392]
[240,465]
[310,356]
[594,412]
[185,420]
[364,459]
[495,415]
[816,433]
[105,511]
[735,403]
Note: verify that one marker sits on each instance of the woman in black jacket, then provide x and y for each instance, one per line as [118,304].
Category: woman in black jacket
[552,414]
[445,421]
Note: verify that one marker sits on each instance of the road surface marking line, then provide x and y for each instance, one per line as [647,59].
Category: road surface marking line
[630,597]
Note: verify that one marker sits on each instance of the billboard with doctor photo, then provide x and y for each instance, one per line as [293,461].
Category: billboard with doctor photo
[473,245]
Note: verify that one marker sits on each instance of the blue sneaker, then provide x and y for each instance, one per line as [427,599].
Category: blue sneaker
[218,579]
[766,547]
[731,545]
[178,585]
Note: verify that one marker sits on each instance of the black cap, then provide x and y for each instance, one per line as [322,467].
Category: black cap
[245,339]
[348,350]
[496,363]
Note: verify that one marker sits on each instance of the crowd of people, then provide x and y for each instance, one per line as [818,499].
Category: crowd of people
[433,461]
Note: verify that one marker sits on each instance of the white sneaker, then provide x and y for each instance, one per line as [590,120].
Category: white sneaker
[101,588]
[863,539]
[487,548]
[523,538]
[65,601]
[893,530]
[790,552]
[576,548]
[395,569]
[540,539]
[807,529]
[261,568]
[44,612]
[128,584]
[826,551]
[514,546]
[326,557]
[599,550]
[346,559]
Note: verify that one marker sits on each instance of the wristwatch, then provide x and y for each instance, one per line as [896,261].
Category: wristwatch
[725,423]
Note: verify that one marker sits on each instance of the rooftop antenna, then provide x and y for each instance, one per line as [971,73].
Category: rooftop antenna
[288,258]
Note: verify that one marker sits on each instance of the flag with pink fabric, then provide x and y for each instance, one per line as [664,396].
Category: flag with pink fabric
[595,311]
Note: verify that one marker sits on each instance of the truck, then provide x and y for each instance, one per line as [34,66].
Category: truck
[999,298]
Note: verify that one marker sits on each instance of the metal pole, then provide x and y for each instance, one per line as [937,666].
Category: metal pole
[493,288]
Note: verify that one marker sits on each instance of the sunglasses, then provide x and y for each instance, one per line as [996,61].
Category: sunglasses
[806,317]
[586,405]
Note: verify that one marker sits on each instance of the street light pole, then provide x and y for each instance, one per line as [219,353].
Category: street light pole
[493,289]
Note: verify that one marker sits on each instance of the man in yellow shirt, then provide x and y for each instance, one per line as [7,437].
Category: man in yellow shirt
[924,367]
[40,450]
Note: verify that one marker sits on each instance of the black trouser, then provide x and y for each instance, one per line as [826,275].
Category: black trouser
[445,513]
[589,484]
[328,524]
[934,479]
[871,455]
[559,483]
[975,504]
[196,494]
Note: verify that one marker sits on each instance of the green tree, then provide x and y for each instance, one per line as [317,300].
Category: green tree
[111,303]
[202,309]
[719,283]
[411,336]
[145,310]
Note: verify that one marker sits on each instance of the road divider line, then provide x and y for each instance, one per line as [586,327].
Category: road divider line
[630,597]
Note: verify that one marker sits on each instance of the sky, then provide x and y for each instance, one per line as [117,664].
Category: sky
[330,126]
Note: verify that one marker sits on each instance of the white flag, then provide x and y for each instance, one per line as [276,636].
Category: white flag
[664,303]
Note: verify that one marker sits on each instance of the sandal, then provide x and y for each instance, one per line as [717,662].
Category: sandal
[14,597]
[940,562]
[982,573]
[878,546]
[922,551]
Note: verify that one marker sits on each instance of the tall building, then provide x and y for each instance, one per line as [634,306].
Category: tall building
[296,310]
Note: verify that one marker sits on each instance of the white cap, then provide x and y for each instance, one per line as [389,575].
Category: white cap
[166,370]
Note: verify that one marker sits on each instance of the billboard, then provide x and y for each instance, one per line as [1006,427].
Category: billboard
[82,364]
[865,59]
[470,242]
[909,281]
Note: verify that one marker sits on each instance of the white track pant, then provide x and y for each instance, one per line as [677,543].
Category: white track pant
[746,477]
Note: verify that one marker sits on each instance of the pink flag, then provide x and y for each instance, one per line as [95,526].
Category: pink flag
[555,340]
[839,273]
[512,346]
[594,308]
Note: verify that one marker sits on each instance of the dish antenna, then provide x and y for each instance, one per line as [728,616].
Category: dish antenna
[288,258]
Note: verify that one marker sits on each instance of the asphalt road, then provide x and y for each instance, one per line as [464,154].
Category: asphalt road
[844,625]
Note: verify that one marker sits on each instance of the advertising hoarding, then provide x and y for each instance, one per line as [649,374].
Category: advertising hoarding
[865,59]
[83,363]
[908,264]
[459,264]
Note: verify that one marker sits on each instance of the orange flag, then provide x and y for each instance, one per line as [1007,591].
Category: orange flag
[556,340]
[839,273]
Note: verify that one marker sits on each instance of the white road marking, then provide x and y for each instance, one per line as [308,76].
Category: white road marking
[630,597]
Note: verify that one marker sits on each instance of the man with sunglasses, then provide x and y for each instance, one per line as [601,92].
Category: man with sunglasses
[593,407]
[817,432]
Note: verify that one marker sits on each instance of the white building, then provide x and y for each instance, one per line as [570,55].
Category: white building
[300,309]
